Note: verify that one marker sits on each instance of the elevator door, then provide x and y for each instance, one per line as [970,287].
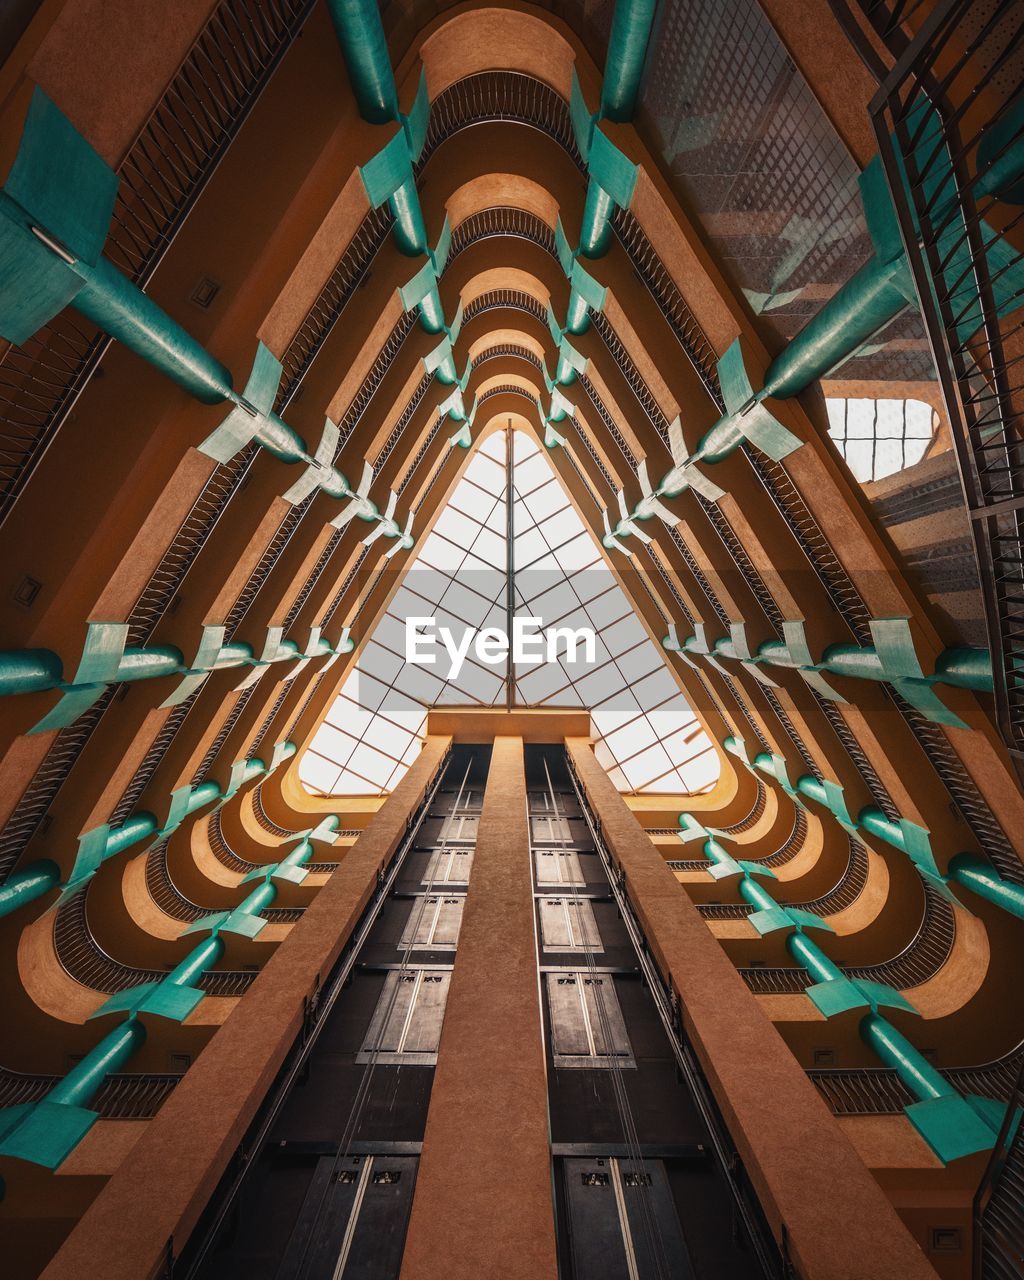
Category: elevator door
[353,1220]
[623,1221]
[568,924]
[587,1028]
[433,924]
[557,866]
[406,1025]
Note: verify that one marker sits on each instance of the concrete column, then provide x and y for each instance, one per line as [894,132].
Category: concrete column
[811,1182]
[483,1203]
[162,1187]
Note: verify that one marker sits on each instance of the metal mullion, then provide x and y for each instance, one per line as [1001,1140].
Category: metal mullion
[645,714]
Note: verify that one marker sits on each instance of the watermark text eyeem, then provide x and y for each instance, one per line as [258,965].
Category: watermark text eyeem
[530,644]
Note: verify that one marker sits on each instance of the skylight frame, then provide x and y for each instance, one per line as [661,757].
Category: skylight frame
[614,619]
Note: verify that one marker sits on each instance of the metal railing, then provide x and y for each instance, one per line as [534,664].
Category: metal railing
[160,180]
[919,960]
[963,246]
[999,1202]
[122,1096]
[842,894]
[264,821]
[862,1091]
[172,902]
[501,220]
[85,961]
[878,792]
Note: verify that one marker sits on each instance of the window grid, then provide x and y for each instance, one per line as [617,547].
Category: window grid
[647,735]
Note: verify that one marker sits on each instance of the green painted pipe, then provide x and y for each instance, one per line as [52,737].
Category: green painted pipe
[981,878]
[565,375]
[29,670]
[596,231]
[140,826]
[83,1081]
[36,670]
[896,1051]
[756,895]
[965,668]
[283,441]
[260,898]
[233,654]
[143,664]
[577,320]
[299,856]
[40,877]
[627,45]
[25,886]
[813,959]
[119,307]
[856,661]
[868,301]
[365,50]
[203,957]
[432,312]
[253,769]
[875,823]
[205,793]
[961,668]
[964,869]
[410,230]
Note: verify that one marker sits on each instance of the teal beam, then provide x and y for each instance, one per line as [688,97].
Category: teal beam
[173,997]
[627,46]
[83,1081]
[46,1132]
[869,300]
[365,50]
[611,177]
[55,211]
[204,957]
[29,671]
[576,319]
[120,308]
[964,869]
[432,312]
[410,229]
[896,1051]
[813,959]
[953,1125]
[892,661]
[982,878]
[243,920]
[596,229]
[104,663]
[25,886]
[100,844]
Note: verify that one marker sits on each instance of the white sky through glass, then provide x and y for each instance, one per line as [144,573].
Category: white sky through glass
[646,734]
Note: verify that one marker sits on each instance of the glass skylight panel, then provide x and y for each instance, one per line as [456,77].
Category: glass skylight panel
[647,736]
[880,437]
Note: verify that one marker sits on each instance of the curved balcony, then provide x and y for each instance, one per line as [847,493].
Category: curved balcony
[84,960]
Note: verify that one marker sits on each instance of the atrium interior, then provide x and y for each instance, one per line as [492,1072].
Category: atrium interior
[512,639]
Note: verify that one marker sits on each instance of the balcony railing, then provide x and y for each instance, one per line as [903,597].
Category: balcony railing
[941,144]
[161,178]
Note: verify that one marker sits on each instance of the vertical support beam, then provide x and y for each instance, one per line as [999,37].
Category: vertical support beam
[154,1200]
[483,1204]
[814,1188]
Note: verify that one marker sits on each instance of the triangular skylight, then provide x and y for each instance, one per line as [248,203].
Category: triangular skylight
[647,737]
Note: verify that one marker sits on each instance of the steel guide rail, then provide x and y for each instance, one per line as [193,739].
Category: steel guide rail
[772,1258]
[317,1007]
